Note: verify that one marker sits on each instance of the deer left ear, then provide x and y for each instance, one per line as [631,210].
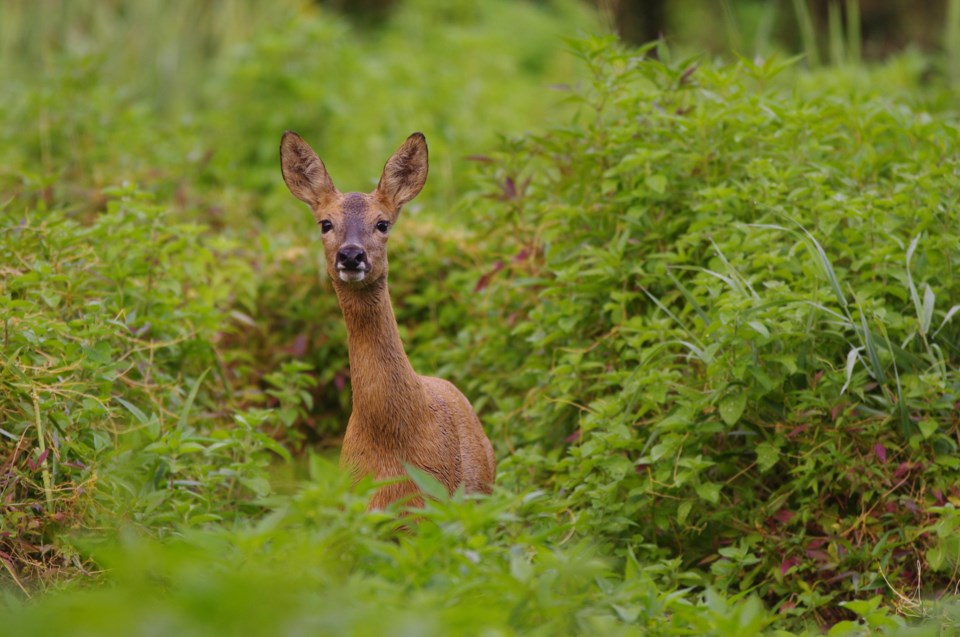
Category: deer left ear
[404,173]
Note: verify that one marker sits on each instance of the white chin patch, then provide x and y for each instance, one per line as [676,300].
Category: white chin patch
[351,276]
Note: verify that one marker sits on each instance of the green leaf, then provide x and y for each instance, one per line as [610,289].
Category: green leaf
[759,328]
[427,483]
[846,628]
[767,455]
[863,607]
[709,491]
[657,183]
[732,406]
[133,409]
[928,302]
[520,567]
[928,427]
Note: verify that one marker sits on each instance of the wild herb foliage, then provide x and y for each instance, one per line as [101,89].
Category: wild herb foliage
[320,564]
[154,332]
[109,333]
[722,324]
[709,323]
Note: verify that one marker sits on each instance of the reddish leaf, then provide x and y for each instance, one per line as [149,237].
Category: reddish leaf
[339,381]
[783,516]
[787,564]
[797,431]
[835,412]
[575,436]
[818,555]
[509,188]
[816,379]
[34,465]
[298,348]
[881,452]
[485,279]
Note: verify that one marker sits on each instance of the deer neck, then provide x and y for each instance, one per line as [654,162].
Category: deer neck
[387,393]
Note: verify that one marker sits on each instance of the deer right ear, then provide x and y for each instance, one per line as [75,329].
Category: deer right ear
[303,172]
[404,174]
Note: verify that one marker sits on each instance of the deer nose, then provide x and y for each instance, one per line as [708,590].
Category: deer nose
[351,257]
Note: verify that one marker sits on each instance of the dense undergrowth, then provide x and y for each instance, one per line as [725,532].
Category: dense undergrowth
[708,316]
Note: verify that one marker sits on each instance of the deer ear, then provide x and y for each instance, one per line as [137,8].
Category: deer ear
[404,173]
[303,172]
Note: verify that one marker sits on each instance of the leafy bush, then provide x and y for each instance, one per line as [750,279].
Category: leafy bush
[719,321]
[320,564]
[108,336]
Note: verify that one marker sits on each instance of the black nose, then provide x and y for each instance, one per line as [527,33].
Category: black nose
[351,257]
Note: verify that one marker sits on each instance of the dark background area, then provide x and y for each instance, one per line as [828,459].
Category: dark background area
[886,26]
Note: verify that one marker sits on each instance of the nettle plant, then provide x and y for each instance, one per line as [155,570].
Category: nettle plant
[114,398]
[720,320]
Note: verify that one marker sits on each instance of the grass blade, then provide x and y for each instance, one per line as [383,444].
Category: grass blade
[670,314]
[42,443]
[852,358]
[914,296]
[828,269]
[185,412]
[953,310]
[928,302]
[876,369]
[692,301]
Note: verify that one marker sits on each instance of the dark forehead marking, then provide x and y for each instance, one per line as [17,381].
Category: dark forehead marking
[354,204]
[354,210]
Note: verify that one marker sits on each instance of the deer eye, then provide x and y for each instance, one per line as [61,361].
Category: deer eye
[383,226]
[325,226]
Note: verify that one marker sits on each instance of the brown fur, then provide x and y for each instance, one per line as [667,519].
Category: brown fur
[399,417]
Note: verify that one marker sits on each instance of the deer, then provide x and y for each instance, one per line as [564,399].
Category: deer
[398,417]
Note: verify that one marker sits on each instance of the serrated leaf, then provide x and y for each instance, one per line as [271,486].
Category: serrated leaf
[520,567]
[732,406]
[767,455]
[657,183]
[709,491]
[759,328]
[845,629]
[863,607]
[927,427]
[427,483]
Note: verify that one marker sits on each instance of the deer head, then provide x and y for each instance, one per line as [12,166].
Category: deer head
[355,225]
